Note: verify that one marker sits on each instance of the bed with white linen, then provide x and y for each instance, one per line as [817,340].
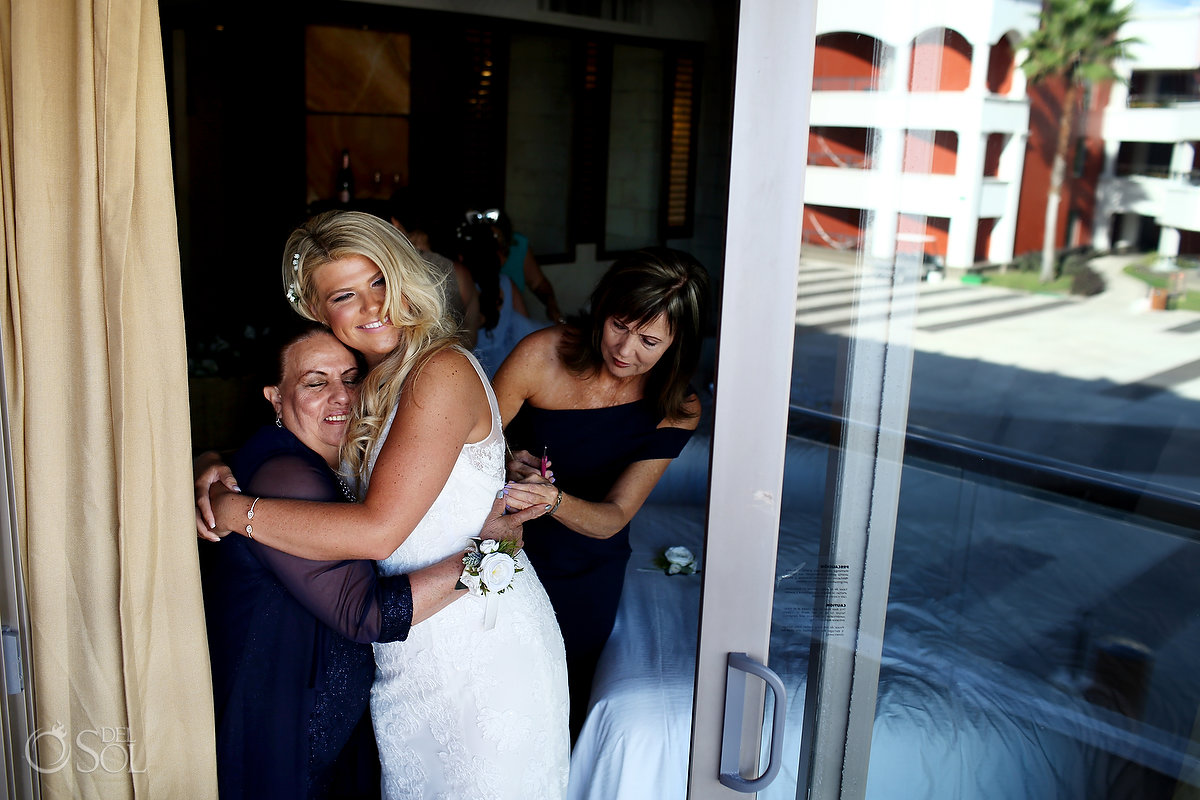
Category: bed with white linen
[998,604]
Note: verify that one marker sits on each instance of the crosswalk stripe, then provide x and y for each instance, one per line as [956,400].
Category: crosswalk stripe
[1045,306]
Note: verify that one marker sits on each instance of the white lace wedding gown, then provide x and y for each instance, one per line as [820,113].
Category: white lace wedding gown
[461,711]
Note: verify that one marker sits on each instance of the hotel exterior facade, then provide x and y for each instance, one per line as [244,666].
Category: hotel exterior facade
[925,135]
[1148,193]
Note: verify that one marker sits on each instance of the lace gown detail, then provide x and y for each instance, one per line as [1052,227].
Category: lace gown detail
[462,711]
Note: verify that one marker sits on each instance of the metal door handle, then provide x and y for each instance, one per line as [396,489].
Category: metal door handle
[731,736]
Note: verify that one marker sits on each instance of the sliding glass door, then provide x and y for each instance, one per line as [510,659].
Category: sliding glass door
[766,195]
[964,535]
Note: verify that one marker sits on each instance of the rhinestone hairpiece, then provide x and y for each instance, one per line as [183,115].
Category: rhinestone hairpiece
[295,262]
[293,293]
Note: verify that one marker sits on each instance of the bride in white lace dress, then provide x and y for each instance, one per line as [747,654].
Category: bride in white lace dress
[459,708]
[474,703]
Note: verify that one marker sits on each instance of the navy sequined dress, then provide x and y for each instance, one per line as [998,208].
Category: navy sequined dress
[290,646]
[589,449]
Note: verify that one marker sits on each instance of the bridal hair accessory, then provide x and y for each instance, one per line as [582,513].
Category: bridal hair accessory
[293,291]
[489,566]
[250,516]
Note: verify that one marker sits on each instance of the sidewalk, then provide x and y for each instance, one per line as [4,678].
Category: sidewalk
[1101,381]
[1121,290]
[1112,337]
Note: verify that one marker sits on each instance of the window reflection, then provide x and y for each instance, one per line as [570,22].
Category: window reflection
[1041,621]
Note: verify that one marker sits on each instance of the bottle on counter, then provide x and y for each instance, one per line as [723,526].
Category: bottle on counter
[345,180]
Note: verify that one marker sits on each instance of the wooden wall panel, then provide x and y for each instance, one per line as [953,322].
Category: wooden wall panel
[375,143]
[358,95]
[351,71]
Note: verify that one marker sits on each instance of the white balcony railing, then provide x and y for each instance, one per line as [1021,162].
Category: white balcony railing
[1182,207]
[931,195]
[1173,202]
[1178,123]
[942,111]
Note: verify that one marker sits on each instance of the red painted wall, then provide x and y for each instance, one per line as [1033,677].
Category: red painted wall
[955,72]
[1079,193]
[838,223]
[991,155]
[1000,67]
[983,238]
[844,62]
[938,228]
[943,159]
[836,147]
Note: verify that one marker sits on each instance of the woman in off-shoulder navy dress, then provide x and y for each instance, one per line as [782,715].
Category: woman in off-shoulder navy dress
[608,402]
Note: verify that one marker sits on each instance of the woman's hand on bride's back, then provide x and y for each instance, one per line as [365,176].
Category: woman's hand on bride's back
[209,469]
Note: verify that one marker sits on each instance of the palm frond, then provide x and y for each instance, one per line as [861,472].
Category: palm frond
[1077,40]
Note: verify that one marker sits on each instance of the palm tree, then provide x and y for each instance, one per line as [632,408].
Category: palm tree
[1076,41]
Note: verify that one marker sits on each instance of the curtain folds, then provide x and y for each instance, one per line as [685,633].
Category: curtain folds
[95,363]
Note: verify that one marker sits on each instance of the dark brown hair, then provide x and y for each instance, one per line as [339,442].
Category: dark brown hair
[636,289]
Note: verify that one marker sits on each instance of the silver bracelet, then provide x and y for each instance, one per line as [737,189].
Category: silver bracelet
[557,502]
[250,516]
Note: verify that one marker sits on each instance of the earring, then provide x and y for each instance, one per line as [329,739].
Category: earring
[278,422]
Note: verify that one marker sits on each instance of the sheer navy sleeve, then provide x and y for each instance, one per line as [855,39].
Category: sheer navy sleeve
[348,596]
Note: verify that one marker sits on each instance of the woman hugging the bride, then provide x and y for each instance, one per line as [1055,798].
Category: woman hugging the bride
[474,702]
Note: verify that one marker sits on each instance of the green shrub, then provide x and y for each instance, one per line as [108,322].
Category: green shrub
[1028,262]
[1085,280]
[1075,263]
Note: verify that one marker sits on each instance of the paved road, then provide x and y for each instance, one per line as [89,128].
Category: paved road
[1102,381]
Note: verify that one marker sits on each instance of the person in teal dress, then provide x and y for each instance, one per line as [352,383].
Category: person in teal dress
[503,320]
[519,265]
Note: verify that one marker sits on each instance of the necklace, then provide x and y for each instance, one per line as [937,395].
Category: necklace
[346,493]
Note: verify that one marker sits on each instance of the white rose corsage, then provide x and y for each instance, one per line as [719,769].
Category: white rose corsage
[676,561]
[489,566]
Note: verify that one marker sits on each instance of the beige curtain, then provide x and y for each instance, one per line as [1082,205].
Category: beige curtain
[97,392]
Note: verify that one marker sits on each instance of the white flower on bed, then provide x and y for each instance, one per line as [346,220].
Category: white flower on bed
[676,560]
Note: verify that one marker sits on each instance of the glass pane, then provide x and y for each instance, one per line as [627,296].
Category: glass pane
[1041,628]
[635,148]
[537,177]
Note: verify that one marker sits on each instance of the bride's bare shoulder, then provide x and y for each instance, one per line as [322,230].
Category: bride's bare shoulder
[447,374]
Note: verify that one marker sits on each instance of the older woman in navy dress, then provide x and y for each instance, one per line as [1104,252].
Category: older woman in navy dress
[290,638]
[609,402]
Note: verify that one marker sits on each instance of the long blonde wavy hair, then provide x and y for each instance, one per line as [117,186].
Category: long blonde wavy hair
[413,302]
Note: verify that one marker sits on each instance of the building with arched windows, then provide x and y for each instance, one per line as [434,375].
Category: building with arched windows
[1148,195]
[934,109]
[929,108]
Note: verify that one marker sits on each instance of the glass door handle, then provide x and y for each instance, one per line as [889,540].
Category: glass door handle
[731,735]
